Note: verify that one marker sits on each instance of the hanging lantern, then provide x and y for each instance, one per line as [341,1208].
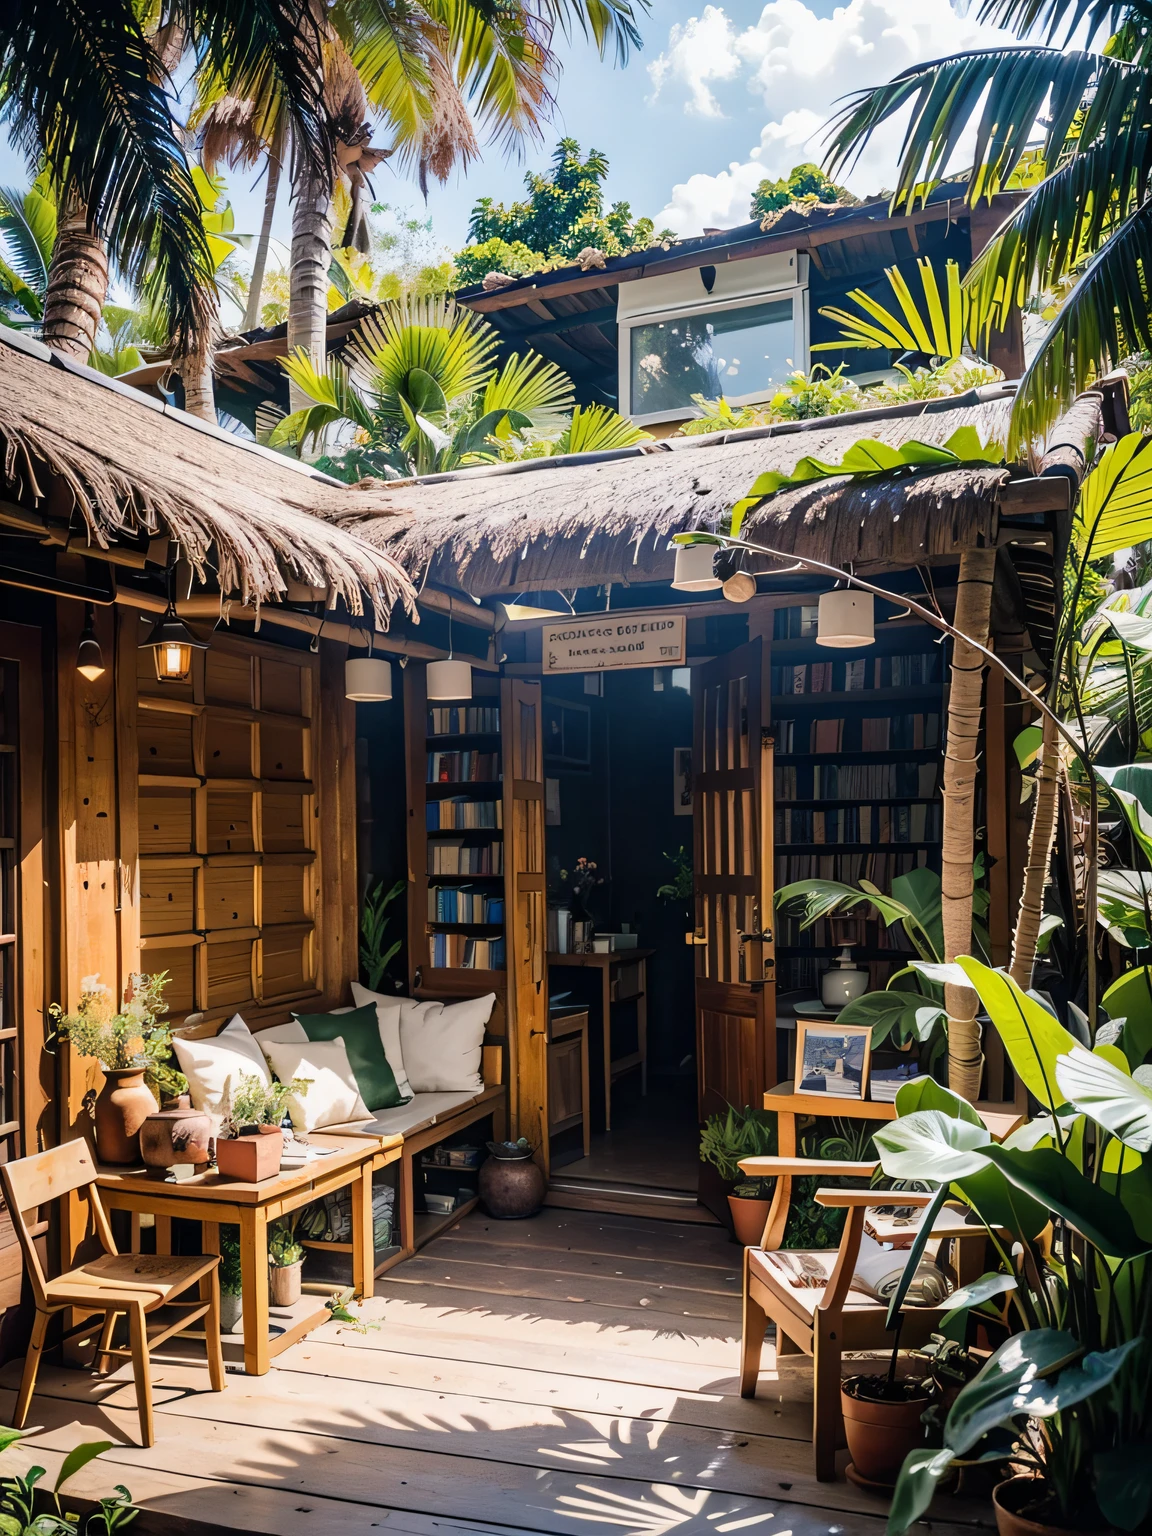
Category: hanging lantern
[172,644]
[449,679]
[694,571]
[368,680]
[89,657]
[845,619]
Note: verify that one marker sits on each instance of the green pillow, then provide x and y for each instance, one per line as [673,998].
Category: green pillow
[360,1032]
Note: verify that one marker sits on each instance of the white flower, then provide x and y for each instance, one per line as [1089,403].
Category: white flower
[94,986]
[136,1010]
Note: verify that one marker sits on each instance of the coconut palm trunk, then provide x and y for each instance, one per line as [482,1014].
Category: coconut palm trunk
[1045,811]
[77,285]
[973,613]
[260,259]
[196,376]
[312,223]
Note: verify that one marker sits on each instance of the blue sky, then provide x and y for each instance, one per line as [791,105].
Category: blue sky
[718,97]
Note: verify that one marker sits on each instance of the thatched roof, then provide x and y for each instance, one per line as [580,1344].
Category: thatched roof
[252,518]
[557,523]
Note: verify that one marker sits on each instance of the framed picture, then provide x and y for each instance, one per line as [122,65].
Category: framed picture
[833,1058]
[567,730]
[682,781]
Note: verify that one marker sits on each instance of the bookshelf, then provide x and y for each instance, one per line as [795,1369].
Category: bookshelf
[856,792]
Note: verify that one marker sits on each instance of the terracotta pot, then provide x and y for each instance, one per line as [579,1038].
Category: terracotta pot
[880,1434]
[179,1134]
[1022,1490]
[284,1283]
[511,1188]
[122,1106]
[251,1158]
[748,1218]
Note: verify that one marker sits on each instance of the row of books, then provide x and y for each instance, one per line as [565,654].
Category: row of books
[458,952]
[458,814]
[460,719]
[860,824]
[835,734]
[852,781]
[461,904]
[851,868]
[897,671]
[455,857]
[463,767]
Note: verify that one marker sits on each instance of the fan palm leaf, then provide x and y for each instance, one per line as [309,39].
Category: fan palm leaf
[455,347]
[597,428]
[28,232]
[936,327]
[532,386]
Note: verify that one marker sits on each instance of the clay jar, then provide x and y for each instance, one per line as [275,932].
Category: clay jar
[122,1106]
[176,1134]
[1016,1493]
[511,1187]
[748,1219]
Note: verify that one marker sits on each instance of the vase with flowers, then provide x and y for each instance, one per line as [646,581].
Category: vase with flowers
[582,878]
[133,1048]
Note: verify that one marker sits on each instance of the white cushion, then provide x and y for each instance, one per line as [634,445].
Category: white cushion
[331,1097]
[442,1043]
[292,1033]
[388,1018]
[214,1067]
[424,1109]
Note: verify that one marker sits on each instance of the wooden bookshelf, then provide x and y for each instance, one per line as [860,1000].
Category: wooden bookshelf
[903,674]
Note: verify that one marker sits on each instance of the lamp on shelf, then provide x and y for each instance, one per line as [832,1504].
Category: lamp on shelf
[694,571]
[172,644]
[89,657]
[845,619]
[368,679]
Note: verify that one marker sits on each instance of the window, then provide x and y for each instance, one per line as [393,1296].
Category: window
[730,352]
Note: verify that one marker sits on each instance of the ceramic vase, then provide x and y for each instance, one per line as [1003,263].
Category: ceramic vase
[748,1219]
[284,1283]
[511,1187]
[178,1134]
[880,1434]
[122,1106]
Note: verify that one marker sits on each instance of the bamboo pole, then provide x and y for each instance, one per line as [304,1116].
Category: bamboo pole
[1045,809]
[971,619]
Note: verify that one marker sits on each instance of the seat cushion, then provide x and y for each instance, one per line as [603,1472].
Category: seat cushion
[424,1109]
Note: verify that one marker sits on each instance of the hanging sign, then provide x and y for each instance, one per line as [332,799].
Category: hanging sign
[613,641]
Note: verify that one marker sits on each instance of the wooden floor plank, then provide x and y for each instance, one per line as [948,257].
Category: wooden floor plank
[428,1268]
[597,1232]
[671,1273]
[459,1485]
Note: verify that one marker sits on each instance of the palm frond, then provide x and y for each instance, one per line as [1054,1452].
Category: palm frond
[604,22]
[1010,88]
[456,347]
[531,385]
[935,324]
[28,233]
[596,428]
[335,396]
[503,61]
[1054,19]
[389,45]
[1114,510]
[1104,319]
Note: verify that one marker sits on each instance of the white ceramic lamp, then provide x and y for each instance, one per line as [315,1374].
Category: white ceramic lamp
[693,571]
[368,679]
[449,679]
[845,619]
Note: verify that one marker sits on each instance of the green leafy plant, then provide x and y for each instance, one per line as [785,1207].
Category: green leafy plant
[805,187]
[1067,1389]
[736,1134]
[20,1495]
[339,1306]
[283,1248]
[125,1037]
[375,953]
[254,1102]
[680,887]
[231,1275]
[937,327]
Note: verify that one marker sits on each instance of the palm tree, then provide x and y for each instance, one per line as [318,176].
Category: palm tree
[27,236]
[85,98]
[424,395]
[1083,231]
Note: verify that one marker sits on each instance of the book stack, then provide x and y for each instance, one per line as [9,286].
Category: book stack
[453,856]
[872,781]
[463,719]
[460,815]
[457,951]
[859,676]
[463,767]
[462,904]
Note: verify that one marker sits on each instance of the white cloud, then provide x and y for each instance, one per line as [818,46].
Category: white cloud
[799,64]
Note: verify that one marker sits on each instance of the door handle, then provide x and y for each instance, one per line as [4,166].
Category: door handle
[695,938]
[754,938]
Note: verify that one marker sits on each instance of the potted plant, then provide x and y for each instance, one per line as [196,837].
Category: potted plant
[231,1297]
[511,1182]
[132,1047]
[679,890]
[1066,1394]
[725,1139]
[251,1142]
[285,1262]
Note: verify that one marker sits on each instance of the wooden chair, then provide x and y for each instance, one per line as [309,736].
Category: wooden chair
[133,1283]
[828,1317]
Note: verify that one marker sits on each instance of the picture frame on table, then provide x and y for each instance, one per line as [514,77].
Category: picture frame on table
[832,1058]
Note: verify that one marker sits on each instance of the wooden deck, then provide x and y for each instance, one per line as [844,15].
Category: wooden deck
[571,1374]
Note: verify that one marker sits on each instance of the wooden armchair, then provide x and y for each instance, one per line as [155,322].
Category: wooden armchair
[820,1315]
[112,1283]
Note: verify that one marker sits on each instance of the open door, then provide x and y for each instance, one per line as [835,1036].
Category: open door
[732,825]
[526,915]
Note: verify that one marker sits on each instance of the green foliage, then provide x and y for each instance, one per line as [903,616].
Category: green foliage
[254,1102]
[805,186]
[283,1248]
[937,326]
[131,1036]
[562,214]
[375,953]
[230,1269]
[339,1305]
[19,1496]
[27,235]
[726,1138]
[680,887]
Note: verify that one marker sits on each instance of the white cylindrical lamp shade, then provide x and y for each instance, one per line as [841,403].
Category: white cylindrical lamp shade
[449,679]
[845,619]
[368,679]
[693,571]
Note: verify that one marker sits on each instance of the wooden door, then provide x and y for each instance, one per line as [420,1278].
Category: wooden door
[732,816]
[526,927]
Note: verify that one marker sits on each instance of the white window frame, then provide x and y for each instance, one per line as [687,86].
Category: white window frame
[797,293]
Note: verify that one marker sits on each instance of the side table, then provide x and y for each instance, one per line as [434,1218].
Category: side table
[568,1088]
[610,966]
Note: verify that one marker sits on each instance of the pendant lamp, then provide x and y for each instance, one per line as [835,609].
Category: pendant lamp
[172,644]
[694,571]
[845,619]
[89,658]
[449,679]
[368,679]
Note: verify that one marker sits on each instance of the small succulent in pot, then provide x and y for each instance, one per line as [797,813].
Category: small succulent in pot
[255,1104]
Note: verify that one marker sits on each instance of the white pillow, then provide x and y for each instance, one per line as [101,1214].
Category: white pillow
[292,1033]
[214,1067]
[331,1097]
[442,1044]
[388,1019]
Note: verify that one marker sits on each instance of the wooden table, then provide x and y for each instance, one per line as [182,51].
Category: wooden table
[569,1098]
[213,1200]
[606,964]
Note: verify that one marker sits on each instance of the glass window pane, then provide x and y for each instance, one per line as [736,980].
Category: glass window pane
[730,352]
